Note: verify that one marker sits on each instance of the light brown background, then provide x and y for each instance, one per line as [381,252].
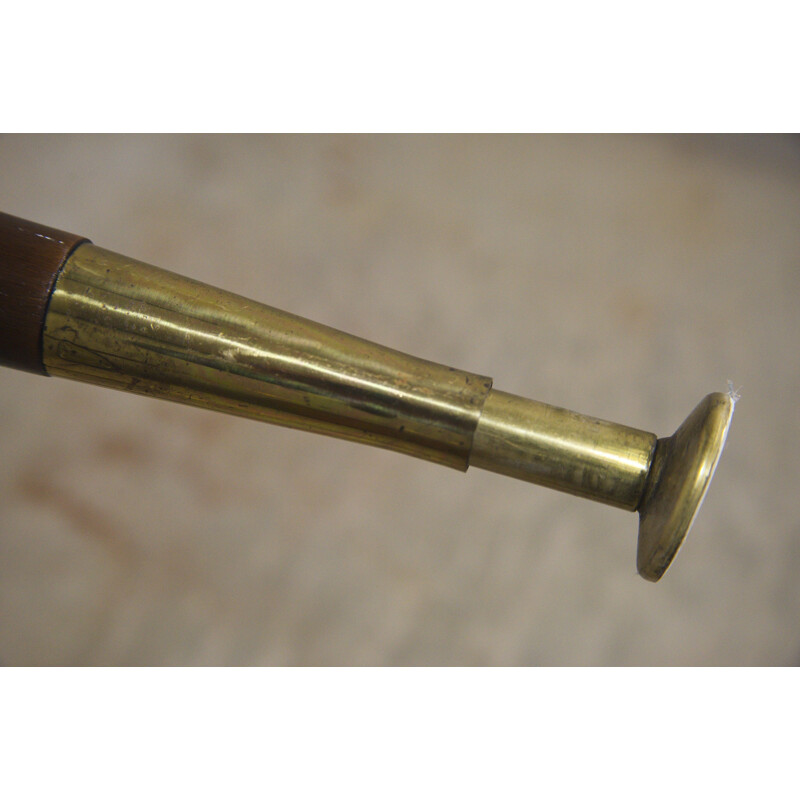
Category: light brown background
[620,276]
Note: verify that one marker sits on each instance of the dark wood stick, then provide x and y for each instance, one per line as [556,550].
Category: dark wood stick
[30,257]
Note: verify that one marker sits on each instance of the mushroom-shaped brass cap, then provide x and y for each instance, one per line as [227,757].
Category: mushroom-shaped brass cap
[683,465]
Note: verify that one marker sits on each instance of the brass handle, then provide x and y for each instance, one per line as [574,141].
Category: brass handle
[120,323]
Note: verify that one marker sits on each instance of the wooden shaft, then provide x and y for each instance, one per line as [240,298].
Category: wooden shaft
[31,256]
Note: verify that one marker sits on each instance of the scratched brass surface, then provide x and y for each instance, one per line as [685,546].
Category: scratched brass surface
[563,450]
[120,323]
[124,324]
[609,274]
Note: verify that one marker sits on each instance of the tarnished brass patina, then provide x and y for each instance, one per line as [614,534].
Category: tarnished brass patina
[127,325]
[563,450]
[682,468]
[120,323]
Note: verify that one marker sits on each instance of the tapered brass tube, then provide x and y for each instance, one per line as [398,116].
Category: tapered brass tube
[117,322]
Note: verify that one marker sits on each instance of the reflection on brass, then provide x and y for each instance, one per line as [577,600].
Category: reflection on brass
[120,323]
[563,450]
[127,325]
[683,466]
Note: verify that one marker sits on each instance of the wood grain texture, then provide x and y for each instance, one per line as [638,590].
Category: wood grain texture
[30,257]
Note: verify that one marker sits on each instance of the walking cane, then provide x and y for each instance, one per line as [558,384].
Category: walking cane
[71,309]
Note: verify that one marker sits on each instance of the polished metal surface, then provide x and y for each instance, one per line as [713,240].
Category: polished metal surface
[120,323]
[562,450]
[682,470]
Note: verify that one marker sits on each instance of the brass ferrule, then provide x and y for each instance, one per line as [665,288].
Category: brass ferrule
[127,325]
[120,323]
